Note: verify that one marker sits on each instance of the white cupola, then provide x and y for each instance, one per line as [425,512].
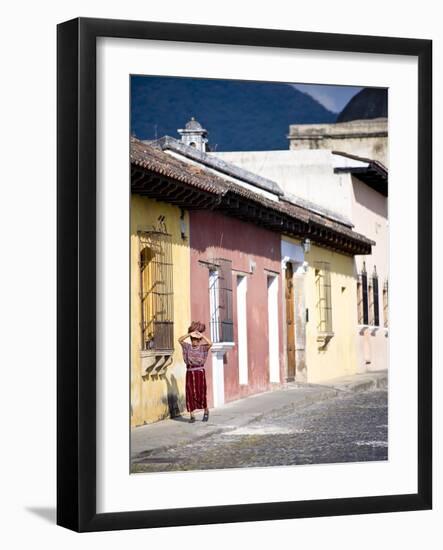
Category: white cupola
[194,135]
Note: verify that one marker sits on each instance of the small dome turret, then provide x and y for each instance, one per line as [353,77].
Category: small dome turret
[193,125]
[194,135]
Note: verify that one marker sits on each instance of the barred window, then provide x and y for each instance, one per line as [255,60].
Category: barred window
[360,300]
[376,314]
[220,299]
[323,293]
[363,298]
[370,302]
[156,290]
[385,304]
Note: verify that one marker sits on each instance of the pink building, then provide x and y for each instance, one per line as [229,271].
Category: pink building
[236,291]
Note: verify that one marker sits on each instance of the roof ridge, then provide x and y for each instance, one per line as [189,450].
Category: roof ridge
[216,163]
[154,159]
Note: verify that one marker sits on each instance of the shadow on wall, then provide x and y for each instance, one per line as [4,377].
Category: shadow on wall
[374,201]
[340,263]
[174,400]
[175,239]
[176,226]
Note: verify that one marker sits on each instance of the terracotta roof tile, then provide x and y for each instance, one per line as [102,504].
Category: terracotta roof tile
[154,159]
[151,158]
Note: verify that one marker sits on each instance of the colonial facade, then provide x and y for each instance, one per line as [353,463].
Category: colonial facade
[369,202]
[236,286]
[160,308]
[270,277]
[352,190]
[320,312]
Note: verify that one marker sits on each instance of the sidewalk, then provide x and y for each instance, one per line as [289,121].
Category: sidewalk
[178,431]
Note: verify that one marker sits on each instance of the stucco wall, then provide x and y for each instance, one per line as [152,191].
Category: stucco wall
[217,236]
[366,138]
[370,213]
[155,395]
[307,174]
[339,357]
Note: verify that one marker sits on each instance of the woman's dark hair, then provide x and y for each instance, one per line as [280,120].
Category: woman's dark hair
[196,326]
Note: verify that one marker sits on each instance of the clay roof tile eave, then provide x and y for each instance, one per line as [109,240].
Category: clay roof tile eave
[155,160]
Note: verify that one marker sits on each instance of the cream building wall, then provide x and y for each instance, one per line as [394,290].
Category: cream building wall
[154,394]
[370,215]
[306,174]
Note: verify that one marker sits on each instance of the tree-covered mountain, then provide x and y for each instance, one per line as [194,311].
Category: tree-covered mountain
[368,103]
[239,115]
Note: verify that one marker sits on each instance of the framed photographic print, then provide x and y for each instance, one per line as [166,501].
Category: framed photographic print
[244,274]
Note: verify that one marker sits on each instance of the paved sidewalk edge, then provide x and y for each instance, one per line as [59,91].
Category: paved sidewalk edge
[327,393]
[328,390]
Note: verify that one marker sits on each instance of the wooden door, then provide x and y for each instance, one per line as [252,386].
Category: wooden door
[290,323]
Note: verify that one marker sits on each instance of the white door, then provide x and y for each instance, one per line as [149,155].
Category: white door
[274,363]
[213,305]
[242,329]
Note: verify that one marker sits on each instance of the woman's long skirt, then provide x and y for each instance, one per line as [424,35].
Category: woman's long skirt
[195,389]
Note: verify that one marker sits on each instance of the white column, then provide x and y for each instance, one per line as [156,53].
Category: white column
[218,351]
[274,363]
[242,329]
[300,322]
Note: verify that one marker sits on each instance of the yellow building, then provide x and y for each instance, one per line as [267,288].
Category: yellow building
[332,298]
[160,308]
[320,312]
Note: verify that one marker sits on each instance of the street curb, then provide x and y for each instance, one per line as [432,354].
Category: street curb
[329,393]
[325,392]
[373,383]
[180,443]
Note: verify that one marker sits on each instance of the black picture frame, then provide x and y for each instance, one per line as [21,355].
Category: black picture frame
[76,279]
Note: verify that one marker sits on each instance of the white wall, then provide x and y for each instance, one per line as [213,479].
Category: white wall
[242,328]
[274,345]
[307,174]
[27,466]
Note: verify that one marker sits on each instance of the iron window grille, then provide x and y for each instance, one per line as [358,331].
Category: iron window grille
[323,293]
[360,300]
[376,312]
[385,305]
[220,300]
[156,289]
[363,298]
[370,302]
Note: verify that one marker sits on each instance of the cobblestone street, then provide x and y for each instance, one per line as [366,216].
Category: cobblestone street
[351,427]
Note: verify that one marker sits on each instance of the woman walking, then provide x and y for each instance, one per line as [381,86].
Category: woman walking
[194,356]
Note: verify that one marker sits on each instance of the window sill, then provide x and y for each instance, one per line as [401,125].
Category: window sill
[222,347]
[154,361]
[151,352]
[373,328]
[323,338]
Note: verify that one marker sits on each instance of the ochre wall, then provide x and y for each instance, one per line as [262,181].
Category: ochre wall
[339,358]
[217,236]
[153,396]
